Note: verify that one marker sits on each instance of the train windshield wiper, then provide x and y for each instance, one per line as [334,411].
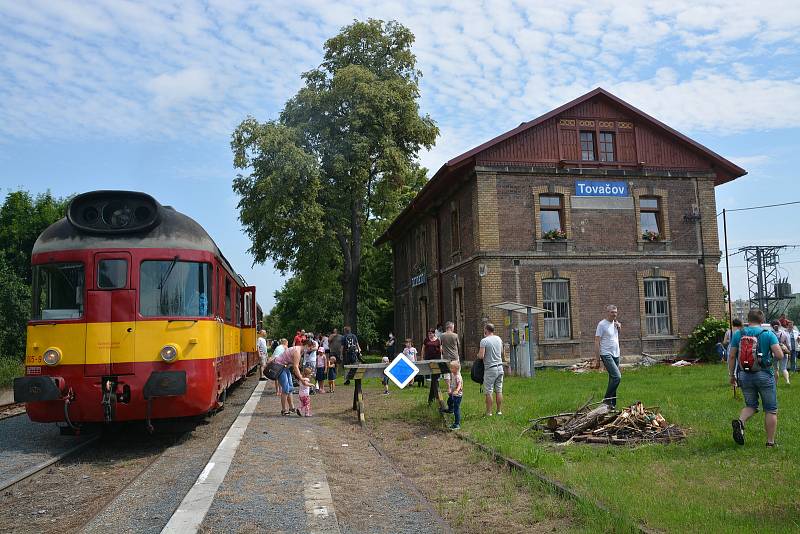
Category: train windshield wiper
[169,272]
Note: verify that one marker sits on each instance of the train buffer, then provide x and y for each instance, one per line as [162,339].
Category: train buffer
[430,368]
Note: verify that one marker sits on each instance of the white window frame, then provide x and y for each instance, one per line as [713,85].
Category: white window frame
[556,326]
[656,291]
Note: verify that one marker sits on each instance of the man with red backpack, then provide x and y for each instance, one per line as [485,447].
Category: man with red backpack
[754,348]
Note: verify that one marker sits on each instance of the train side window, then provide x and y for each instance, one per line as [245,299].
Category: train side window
[112,274]
[238,307]
[228,315]
[248,302]
[169,288]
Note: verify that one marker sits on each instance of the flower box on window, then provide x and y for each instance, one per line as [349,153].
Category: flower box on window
[651,236]
[554,235]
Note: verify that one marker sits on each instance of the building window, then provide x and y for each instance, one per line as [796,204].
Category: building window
[455,240]
[606,146]
[656,306]
[555,298]
[587,146]
[422,246]
[650,215]
[551,213]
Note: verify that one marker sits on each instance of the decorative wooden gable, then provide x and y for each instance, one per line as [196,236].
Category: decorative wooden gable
[629,140]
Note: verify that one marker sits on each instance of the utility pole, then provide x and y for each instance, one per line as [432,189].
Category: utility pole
[762,277]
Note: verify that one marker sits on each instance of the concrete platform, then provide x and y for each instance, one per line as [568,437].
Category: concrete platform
[278,479]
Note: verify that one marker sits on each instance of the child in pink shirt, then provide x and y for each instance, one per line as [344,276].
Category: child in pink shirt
[305,392]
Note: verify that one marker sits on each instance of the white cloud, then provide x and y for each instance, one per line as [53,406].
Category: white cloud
[186,84]
[153,69]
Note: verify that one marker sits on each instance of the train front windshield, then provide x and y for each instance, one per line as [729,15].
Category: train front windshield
[57,291]
[171,288]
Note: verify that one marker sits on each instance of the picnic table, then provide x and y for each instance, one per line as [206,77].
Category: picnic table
[358,372]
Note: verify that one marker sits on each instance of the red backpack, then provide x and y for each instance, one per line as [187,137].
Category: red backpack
[749,357]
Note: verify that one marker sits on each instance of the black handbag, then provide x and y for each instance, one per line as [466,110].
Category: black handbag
[274,370]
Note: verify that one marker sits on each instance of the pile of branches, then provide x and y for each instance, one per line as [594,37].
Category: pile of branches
[603,424]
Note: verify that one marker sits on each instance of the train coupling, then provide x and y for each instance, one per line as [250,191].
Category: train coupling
[109,400]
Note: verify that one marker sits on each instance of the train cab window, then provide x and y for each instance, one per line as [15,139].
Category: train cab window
[172,288]
[112,274]
[58,291]
[228,315]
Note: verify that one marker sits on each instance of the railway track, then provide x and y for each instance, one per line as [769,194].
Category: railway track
[42,495]
[11,410]
[16,479]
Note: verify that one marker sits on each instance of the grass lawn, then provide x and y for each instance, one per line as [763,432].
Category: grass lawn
[10,368]
[705,484]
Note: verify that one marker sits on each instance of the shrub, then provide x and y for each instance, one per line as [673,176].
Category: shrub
[10,368]
[704,338]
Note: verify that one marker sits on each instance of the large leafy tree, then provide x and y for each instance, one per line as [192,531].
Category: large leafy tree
[311,298]
[340,156]
[22,218]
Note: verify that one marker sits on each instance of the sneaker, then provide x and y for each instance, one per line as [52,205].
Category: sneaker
[455,427]
[297,411]
[738,431]
[489,414]
[773,444]
[499,413]
[285,412]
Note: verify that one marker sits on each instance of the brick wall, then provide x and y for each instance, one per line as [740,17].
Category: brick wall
[502,257]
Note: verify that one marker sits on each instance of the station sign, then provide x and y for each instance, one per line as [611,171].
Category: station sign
[600,189]
[401,371]
[418,280]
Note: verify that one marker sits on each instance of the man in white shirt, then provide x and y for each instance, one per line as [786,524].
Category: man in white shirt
[606,348]
[491,352]
[261,346]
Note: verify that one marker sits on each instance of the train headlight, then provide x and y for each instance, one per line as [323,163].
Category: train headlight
[52,356]
[169,353]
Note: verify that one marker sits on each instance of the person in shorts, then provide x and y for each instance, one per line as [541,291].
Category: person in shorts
[756,384]
[385,378]
[261,345]
[491,352]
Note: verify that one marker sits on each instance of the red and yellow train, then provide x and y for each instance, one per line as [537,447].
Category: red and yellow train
[137,315]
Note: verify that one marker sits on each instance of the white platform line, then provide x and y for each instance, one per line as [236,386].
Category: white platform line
[318,500]
[194,507]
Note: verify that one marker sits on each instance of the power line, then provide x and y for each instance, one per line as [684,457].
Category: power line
[760,207]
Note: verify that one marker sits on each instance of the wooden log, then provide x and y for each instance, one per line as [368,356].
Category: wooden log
[577,425]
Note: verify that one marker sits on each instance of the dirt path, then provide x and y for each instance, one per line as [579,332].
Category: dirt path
[469,491]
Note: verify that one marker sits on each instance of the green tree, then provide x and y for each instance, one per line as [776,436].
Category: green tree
[341,154]
[793,313]
[22,218]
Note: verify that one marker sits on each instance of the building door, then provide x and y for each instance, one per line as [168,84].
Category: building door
[458,309]
[458,316]
[111,332]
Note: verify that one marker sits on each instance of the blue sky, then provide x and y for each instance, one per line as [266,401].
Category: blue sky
[145,95]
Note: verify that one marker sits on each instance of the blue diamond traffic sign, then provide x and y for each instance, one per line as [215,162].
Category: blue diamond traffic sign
[401,371]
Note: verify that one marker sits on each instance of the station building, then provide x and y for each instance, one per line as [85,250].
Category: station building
[593,203]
